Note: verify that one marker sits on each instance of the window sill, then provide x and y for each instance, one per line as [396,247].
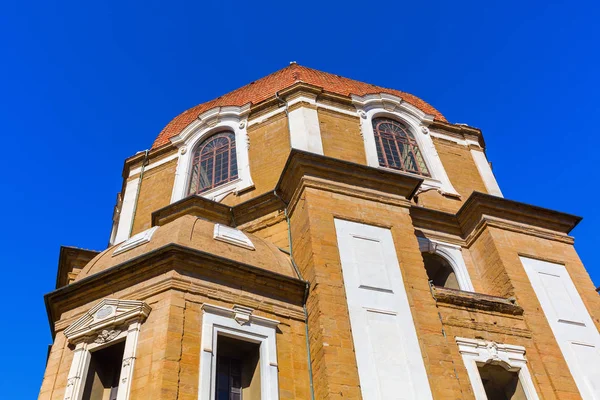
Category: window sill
[476,301]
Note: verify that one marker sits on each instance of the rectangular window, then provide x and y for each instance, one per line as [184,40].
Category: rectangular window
[238,370]
[500,384]
[102,381]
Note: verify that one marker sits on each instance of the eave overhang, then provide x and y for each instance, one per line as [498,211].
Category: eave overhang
[159,261]
[299,167]
[67,258]
[481,207]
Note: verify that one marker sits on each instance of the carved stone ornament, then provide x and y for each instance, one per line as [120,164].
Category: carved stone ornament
[362,114]
[107,335]
[104,312]
[242,314]
[492,348]
[242,124]
[183,150]
[425,130]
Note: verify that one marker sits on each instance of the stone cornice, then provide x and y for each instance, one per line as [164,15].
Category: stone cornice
[68,256]
[301,169]
[302,165]
[162,260]
[482,210]
[197,290]
[479,206]
[194,205]
[460,130]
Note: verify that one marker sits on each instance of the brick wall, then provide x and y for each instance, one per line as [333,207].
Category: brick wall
[341,137]
[155,193]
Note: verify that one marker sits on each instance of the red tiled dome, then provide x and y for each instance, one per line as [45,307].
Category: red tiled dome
[266,87]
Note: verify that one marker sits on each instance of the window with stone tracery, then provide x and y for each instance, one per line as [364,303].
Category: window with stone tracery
[214,163]
[397,147]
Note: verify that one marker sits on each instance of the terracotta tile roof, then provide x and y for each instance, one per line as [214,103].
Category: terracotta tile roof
[266,87]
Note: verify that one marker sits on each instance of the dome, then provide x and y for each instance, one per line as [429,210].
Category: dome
[266,87]
[198,234]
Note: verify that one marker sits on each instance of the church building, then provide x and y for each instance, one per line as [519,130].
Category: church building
[312,237]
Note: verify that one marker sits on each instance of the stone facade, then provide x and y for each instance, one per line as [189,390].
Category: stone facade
[295,198]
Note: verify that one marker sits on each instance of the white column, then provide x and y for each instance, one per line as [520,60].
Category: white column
[126,215]
[483,166]
[76,377]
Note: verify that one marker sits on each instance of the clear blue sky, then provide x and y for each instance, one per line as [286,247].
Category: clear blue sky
[86,84]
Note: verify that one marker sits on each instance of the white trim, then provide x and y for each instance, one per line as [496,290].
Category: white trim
[232,236]
[305,129]
[136,240]
[453,255]
[210,122]
[480,352]
[100,327]
[483,166]
[238,323]
[158,163]
[126,214]
[377,105]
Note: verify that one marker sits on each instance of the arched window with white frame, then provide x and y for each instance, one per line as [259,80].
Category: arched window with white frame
[214,163]
[396,136]
[445,265]
[397,147]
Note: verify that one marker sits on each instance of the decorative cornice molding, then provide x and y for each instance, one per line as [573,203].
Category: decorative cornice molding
[164,259]
[103,321]
[491,352]
[484,206]
[483,210]
[302,166]
[301,169]
[197,291]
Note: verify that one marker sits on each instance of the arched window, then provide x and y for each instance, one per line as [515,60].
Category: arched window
[214,163]
[439,271]
[397,147]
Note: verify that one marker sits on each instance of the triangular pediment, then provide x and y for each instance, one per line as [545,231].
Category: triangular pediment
[106,314]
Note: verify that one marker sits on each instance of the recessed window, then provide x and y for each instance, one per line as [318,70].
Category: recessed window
[214,163]
[500,384]
[439,271]
[102,381]
[238,370]
[397,147]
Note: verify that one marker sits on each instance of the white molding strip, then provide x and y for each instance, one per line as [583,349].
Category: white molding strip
[483,166]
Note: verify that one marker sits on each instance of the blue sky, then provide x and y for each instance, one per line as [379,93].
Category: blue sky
[86,84]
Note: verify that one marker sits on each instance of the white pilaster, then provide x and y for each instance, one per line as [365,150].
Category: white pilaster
[126,215]
[483,166]
[305,130]
[76,377]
